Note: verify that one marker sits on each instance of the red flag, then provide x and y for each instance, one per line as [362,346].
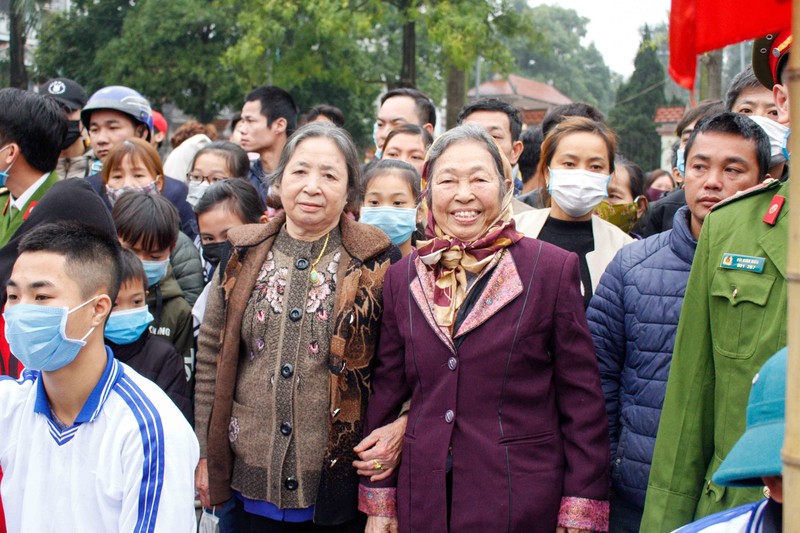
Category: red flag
[699,26]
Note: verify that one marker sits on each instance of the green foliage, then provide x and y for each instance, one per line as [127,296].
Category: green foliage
[176,60]
[320,51]
[675,94]
[466,29]
[553,53]
[204,55]
[637,100]
[68,43]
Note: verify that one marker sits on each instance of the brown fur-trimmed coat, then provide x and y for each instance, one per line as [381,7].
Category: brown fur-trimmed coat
[367,253]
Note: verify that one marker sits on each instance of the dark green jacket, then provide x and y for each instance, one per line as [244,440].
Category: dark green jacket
[11,220]
[172,317]
[732,321]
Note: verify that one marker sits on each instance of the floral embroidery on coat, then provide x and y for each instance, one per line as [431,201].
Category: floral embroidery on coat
[321,290]
[271,284]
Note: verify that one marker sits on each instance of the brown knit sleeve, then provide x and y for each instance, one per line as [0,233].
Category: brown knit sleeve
[208,347]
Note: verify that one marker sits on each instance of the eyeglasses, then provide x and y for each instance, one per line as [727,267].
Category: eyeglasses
[199,178]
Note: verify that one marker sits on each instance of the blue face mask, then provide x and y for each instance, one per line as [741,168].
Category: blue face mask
[124,327]
[155,270]
[4,174]
[378,149]
[37,335]
[681,163]
[396,222]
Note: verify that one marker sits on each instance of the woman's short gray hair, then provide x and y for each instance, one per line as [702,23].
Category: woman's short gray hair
[341,139]
[468,132]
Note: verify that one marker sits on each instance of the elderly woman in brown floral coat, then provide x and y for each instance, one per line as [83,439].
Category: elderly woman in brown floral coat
[285,348]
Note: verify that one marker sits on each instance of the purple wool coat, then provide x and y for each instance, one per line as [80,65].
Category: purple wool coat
[514,397]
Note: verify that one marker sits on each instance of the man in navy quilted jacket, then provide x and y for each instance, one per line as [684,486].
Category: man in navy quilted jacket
[634,313]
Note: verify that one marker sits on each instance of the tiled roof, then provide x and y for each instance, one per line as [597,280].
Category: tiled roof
[522,87]
[533,117]
[669,114]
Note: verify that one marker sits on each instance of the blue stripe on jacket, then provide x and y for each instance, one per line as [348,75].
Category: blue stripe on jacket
[152,433]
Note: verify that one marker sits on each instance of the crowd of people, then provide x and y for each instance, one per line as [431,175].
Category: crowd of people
[500,328]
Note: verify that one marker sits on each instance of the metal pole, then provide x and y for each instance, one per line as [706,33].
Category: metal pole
[791,445]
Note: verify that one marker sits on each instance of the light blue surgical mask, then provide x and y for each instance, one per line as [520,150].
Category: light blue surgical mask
[4,174]
[37,335]
[378,149]
[155,270]
[681,163]
[125,327]
[396,222]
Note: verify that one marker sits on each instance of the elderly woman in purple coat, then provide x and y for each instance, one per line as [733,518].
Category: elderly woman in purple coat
[484,330]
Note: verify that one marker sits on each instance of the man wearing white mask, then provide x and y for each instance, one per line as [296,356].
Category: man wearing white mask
[577,161]
[87,443]
[778,138]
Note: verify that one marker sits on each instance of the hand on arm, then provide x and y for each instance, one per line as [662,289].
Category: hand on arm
[381,448]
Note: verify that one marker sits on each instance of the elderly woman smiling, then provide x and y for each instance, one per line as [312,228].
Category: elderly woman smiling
[484,330]
[286,345]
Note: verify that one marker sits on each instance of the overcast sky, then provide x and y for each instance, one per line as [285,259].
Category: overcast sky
[614,26]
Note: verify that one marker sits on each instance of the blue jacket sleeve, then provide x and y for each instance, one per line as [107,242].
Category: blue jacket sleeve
[606,317]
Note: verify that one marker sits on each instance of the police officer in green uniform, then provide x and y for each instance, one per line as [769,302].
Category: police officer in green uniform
[32,130]
[733,319]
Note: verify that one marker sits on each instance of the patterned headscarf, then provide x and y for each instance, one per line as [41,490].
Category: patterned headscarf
[450,258]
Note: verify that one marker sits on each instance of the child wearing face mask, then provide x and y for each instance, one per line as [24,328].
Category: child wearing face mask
[391,189]
[134,166]
[627,200]
[148,226]
[217,161]
[127,334]
[224,205]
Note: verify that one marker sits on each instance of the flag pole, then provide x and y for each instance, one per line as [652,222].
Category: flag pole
[791,446]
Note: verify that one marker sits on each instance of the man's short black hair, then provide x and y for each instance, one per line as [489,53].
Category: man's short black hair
[149,220]
[275,103]
[426,111]
[494,104]
[735,124]
[743,81]
[706,108]
[91,255]
[531,151]
[577,109]
[37,124]
[132,269]
[332,113]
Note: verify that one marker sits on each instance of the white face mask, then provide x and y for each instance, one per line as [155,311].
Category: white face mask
[577,191]
[196,191]
[778,137]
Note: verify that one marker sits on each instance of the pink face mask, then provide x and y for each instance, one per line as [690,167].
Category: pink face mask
[115,194]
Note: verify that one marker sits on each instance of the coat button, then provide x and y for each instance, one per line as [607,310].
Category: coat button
[295,314]
[287,370]
[301,263]
[452,363]
[290,483]
[286,428]
[449,416]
